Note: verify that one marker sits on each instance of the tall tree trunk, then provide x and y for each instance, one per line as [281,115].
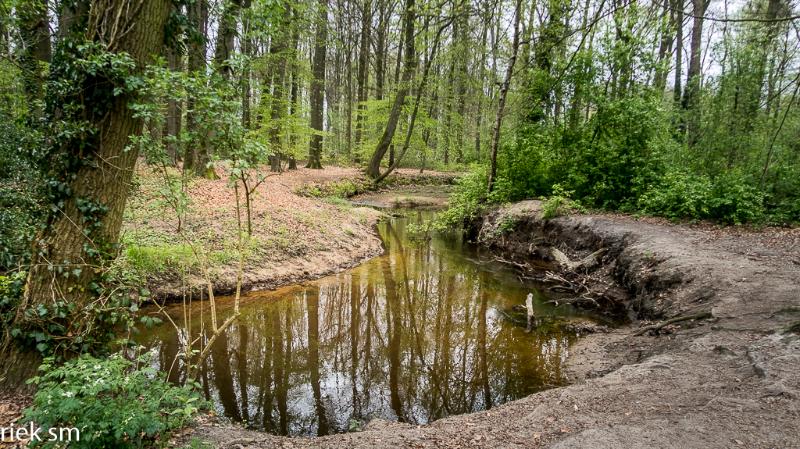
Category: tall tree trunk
[294,99]
[198,17]
[226,36]
[381,49]
[677,6]
[279,59]
[81,234]
[318,87]
[397,66]
[487,21]
[35,52]
[174,109]
[420,93]
[664,46]
[247,52]
[691,97]
[362,76]
[373,169]
[462,75]
[498,122]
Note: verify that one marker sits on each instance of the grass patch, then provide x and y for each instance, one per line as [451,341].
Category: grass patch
[151,259]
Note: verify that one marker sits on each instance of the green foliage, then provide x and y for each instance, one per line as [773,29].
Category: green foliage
[729,198]
[21,195]
[337,189]
[679,194]
[112,401]
[467,200]
[559,203]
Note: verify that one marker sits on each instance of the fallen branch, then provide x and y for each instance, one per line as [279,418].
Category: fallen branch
[678,319]
[565,262]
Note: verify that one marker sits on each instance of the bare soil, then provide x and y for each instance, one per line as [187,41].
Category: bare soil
[295,237]
[732,380]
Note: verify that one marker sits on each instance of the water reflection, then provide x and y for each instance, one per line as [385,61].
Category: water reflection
[415,335]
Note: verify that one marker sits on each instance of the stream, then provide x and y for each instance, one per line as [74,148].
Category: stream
[416,334]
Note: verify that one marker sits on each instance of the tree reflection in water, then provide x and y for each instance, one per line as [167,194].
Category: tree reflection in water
[414,335]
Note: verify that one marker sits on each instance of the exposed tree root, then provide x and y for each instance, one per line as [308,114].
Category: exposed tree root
[678,319]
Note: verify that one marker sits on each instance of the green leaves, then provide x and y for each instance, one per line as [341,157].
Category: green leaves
[114,402]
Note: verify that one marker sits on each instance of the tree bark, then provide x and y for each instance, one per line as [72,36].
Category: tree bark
[198,16]
[691,98]
[362,77]
[498,122]
[72,238]
[35,51]
[420,92]
[226,36]
[373,169]
[677,5]
[278,103]
[318,87]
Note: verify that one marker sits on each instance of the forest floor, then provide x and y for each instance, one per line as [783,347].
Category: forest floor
[302,229]
[730,380]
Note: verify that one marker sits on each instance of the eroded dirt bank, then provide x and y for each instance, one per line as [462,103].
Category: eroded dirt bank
[732,380]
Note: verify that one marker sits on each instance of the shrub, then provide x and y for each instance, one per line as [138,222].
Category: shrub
[559,203]
[467,200]
[735,200]
[113,402]
[678,195]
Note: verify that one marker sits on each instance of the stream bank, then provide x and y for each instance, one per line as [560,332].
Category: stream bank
[731,380]
[303,228]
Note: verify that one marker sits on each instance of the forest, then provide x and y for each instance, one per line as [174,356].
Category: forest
[159,153]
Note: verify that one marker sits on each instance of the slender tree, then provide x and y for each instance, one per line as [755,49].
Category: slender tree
[409,16]
[318,86]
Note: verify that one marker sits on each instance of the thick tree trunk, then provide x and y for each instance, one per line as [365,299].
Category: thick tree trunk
[373,169]
[318,87]
[77,237]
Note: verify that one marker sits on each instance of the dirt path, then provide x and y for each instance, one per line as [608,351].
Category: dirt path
[729,381]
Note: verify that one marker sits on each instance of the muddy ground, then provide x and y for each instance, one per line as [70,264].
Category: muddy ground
[731,380]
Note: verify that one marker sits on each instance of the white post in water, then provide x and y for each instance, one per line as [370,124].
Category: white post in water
[529,307]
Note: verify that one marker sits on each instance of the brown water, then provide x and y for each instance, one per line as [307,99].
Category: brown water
[417,334]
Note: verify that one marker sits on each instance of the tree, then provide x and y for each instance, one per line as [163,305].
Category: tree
[374,166]
[363,71]
[318,86]
[498,121]
[693,75]
[91,172]
[35,51]
[198,18]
